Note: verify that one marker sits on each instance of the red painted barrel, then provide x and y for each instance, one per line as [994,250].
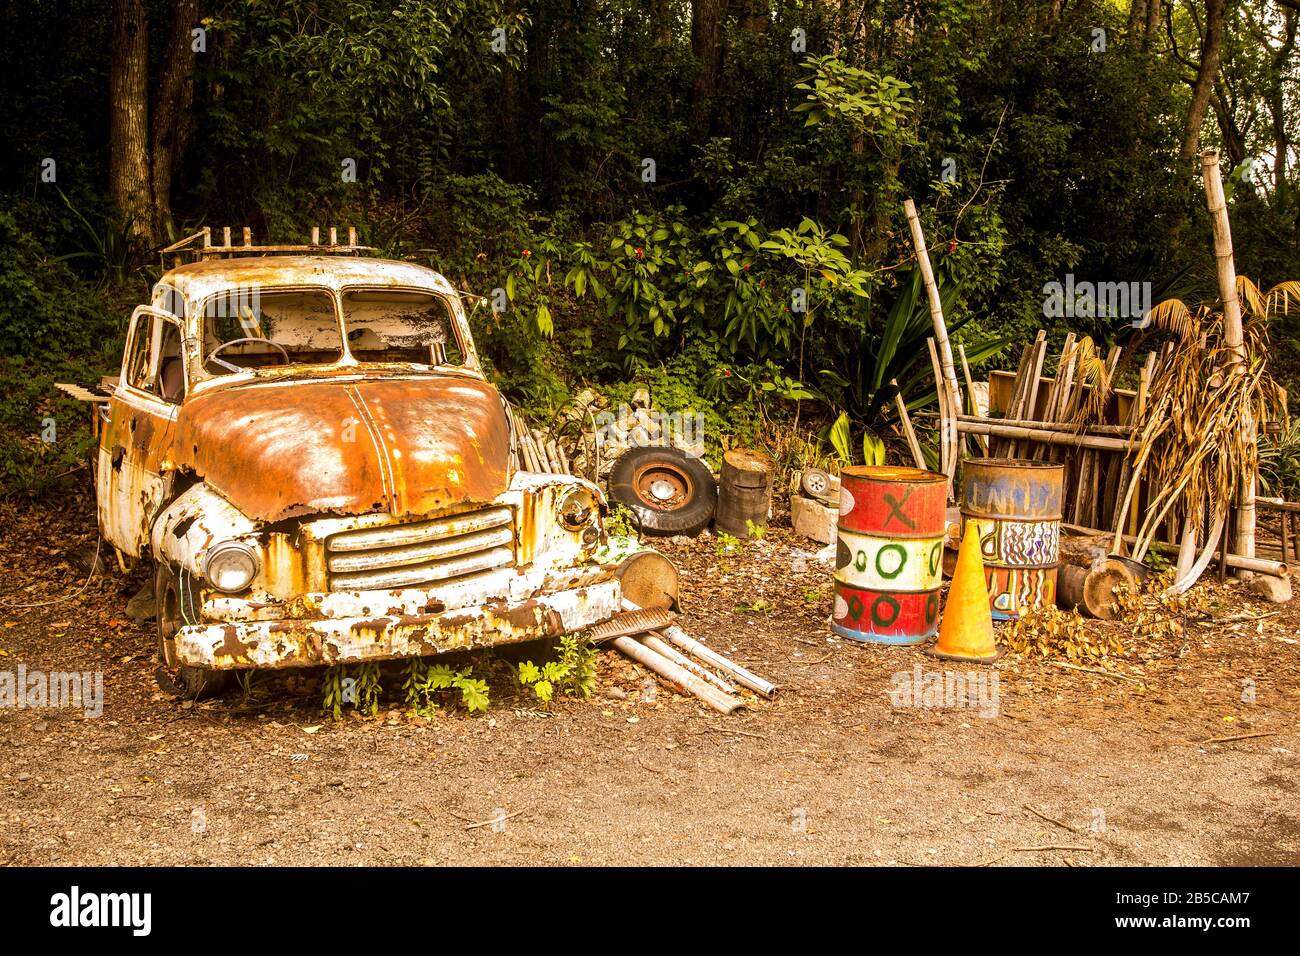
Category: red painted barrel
[889,554]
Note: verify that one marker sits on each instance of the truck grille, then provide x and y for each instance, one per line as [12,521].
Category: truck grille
[420,553]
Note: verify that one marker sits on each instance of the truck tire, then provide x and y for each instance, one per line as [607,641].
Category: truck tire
[670,493]
[188,683]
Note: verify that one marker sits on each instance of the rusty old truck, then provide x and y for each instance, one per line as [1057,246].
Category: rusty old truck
[303,445]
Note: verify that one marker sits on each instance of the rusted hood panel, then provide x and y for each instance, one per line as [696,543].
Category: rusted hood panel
[406,446]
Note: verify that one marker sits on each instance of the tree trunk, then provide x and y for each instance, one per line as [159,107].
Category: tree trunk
[1277,107]
[706,45]
[1137,18]
[1211,48]
[1153,23]
[1234,141]
[174,96]
[128,171]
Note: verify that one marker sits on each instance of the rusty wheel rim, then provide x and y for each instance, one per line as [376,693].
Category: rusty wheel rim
[169,623]
[662,486]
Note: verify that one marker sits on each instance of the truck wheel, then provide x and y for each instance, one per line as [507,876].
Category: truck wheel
[189,683]
[669,492]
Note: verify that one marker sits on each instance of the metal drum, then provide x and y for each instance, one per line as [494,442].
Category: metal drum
[889,556]
[1016,505]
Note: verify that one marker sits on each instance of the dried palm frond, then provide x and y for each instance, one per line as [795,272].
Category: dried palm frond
[1283,299]
[1191,450]
[1174,316]
[1090,370]
[1249,293]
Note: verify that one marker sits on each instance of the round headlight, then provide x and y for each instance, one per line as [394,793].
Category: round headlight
[231,566]
[577,509]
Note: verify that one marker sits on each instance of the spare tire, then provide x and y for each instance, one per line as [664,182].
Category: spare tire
[669,492]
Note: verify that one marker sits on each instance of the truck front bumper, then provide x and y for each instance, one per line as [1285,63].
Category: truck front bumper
[337,640]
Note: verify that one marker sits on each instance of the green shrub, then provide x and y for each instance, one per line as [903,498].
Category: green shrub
[46,312]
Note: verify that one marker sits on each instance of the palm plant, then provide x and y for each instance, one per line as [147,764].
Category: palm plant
[110,245]
[892,349]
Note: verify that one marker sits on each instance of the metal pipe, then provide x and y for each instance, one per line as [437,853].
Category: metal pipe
[655,643]
[706,654]
[684,679]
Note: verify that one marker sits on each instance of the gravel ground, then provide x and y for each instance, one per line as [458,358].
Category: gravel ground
[1074,768]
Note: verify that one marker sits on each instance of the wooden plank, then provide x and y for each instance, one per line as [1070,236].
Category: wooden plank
[1031,389]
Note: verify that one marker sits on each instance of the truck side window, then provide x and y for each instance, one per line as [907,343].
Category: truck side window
[171,368]
[136,367]
[153,361]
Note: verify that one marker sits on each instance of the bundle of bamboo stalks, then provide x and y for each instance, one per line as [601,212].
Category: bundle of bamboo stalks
[534,451]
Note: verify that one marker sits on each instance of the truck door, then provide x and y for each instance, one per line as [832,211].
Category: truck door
[134,471]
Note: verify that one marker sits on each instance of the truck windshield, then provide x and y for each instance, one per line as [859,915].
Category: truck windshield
[256,329]
[395,325]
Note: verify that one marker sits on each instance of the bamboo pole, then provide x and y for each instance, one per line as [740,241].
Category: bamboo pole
[970,394]
[1244,536]
[908,431]
[1121,430]
[949,427]
[947,417]
[1050,436]
[1278,569]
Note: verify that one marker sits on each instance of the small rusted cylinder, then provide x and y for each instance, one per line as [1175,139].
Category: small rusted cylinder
[1016,505]
[1091,590]
[744,492]
[889,554]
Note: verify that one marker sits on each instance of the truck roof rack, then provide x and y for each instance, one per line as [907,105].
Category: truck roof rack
[198,247]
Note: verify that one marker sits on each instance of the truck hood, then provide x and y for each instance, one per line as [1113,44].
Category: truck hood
[408,446]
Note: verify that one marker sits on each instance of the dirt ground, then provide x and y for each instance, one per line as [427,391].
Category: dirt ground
[1075,768]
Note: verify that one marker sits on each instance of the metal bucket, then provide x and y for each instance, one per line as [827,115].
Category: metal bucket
[889,555]
[1016,505]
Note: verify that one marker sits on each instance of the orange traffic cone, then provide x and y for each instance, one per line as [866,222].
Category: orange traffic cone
[966,632]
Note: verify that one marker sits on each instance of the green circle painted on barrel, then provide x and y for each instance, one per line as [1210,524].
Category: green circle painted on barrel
[861,561]
[855,608]
[892,606]
[936,553]
[891,549]
[932,608]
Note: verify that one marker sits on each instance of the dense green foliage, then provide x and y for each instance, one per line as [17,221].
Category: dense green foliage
[722,222]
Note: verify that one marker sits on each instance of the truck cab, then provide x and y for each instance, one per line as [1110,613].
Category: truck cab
[302,442]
